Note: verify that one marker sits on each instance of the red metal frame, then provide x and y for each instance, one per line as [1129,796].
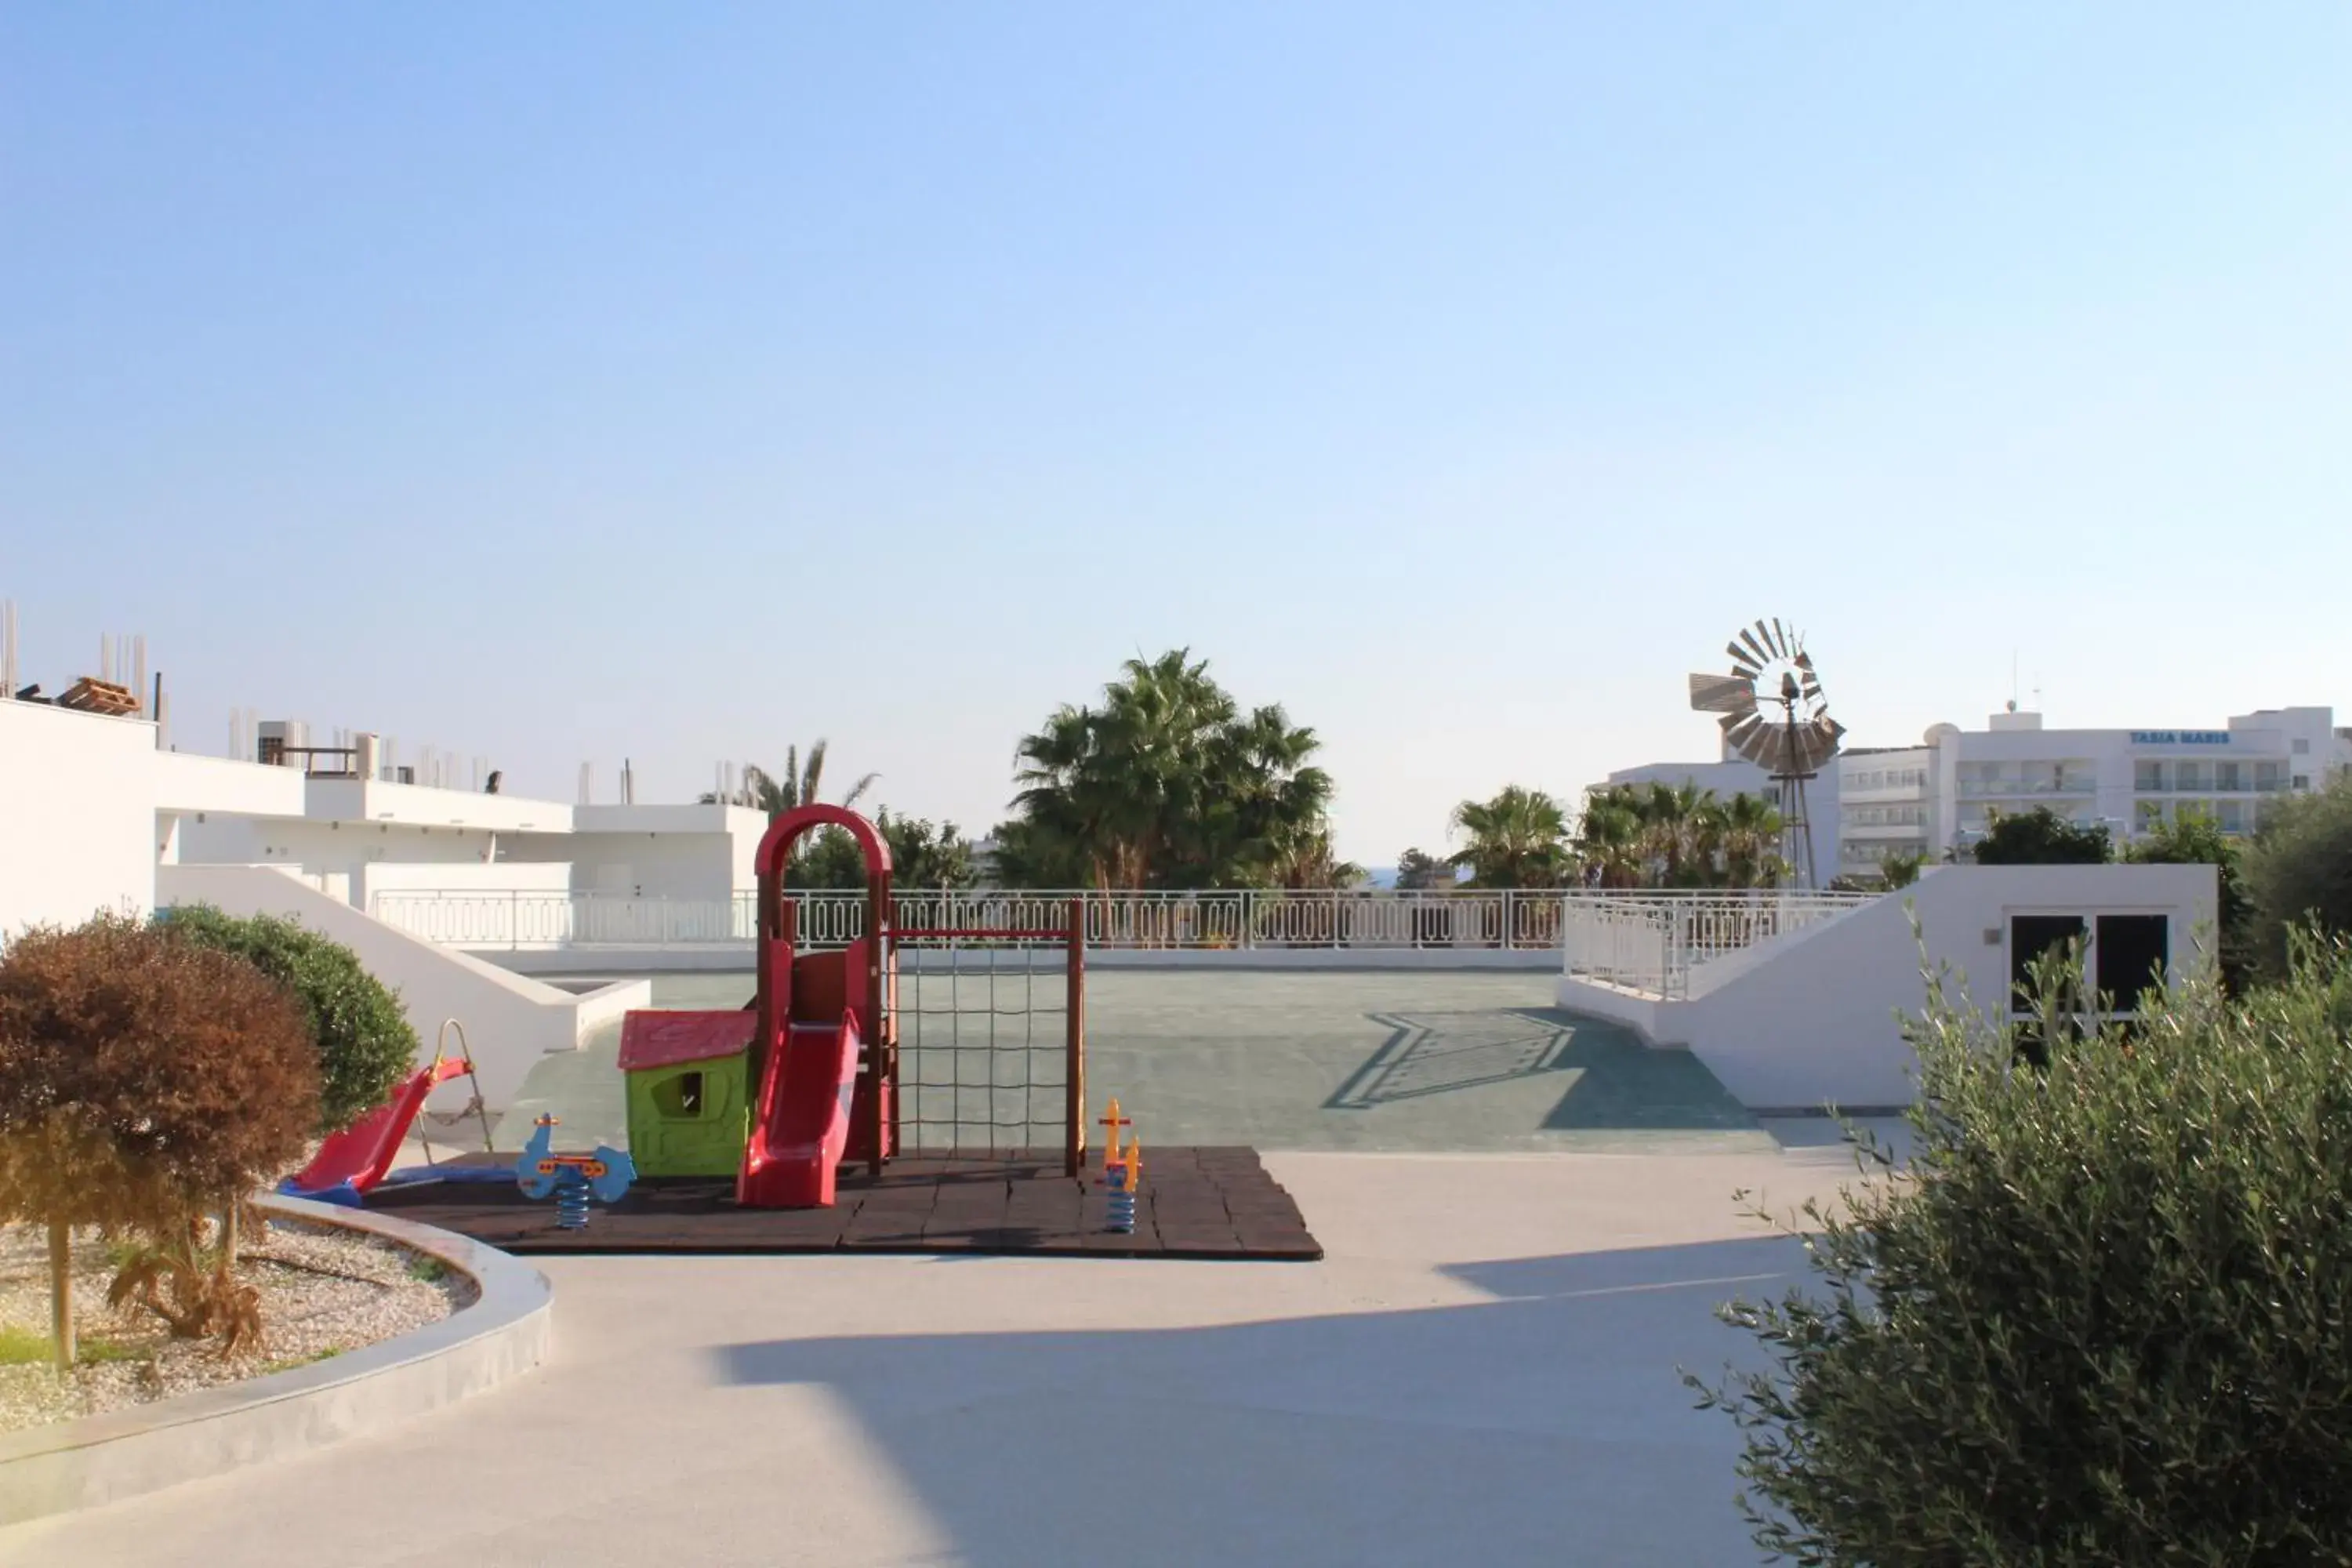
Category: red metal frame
[874,1115]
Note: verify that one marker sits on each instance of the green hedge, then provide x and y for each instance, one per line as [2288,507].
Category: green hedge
[2106,1316]
[364,1041]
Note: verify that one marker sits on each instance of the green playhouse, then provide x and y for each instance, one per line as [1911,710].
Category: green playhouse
[689,1090]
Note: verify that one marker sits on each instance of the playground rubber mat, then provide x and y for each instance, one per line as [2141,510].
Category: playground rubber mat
[1217,1203]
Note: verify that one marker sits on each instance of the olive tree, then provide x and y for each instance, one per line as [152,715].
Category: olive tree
[2100,1317]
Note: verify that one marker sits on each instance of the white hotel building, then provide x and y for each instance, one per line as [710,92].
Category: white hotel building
[1926,799]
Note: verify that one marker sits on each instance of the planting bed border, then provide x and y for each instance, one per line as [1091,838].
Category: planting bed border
[98,1459]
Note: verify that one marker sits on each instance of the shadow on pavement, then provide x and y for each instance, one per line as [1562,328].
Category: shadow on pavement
[1438,1053]
[1546,1424]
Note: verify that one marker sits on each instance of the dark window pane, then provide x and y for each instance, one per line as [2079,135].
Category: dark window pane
[2031,936]
[2132,950]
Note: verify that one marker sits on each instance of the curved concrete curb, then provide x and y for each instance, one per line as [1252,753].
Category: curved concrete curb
[122,1452]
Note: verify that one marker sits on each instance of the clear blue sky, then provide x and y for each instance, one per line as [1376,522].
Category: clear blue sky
[559,381]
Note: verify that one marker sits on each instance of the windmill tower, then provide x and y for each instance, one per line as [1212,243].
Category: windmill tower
[1773,713]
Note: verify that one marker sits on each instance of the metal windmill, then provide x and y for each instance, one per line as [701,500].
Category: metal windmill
[1773,714]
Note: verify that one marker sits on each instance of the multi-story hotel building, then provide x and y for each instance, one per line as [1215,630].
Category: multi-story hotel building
[1937,796]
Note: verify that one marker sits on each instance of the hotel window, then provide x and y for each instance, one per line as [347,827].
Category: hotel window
[2147,777]
[2302,782]
[2266,775]
[2189,776]
[2225,776]
[2302,748]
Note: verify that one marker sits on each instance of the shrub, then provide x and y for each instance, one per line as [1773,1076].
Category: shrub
[2298,870]
[365,1042]
[2101,1320]
[2041,837]
[145,1082]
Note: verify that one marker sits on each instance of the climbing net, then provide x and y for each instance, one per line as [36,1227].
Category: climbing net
[991,1041]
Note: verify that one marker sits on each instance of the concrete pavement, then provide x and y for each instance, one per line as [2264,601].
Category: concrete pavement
[1484,1369]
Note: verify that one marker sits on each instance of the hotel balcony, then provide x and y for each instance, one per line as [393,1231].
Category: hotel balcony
[2168,784]
[2000,789]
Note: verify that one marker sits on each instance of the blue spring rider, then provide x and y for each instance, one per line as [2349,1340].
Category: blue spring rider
[573,1179]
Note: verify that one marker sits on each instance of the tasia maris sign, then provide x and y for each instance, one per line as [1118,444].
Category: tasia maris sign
[2181,737]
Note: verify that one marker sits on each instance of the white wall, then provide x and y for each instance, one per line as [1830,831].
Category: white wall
[678,852]
[78,830]
[371,856]
[186,782]
[1820,1024]
[655,865]
[373,800]
[669,851]
[510,1022]
[525,877]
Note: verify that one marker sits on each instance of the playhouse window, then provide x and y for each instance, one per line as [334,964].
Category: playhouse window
[679,1098]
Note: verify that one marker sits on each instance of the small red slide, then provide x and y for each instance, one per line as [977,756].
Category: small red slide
[357,1158]
[801,1124]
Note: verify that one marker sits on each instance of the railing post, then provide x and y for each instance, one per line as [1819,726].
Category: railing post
[1073,1060]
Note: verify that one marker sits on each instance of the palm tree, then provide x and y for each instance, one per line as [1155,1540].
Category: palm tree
[1518,839]
[1751,842]
[1310,862]
[1900,867]
[1672,833]
[765,791]
[1166,784]
[1609,840]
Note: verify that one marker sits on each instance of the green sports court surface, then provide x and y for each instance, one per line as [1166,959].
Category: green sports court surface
[1396,1062]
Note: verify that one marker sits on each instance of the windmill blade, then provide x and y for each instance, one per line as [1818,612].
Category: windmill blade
[1810,687]
[1758,741]
[1742,666]
[1756,649]
[1722,694]
[1820,741]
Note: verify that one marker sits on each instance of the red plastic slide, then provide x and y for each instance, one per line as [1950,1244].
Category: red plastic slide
[361,1154]
[801,1125]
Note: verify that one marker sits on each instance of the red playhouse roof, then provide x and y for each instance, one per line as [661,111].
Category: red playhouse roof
[658,1038]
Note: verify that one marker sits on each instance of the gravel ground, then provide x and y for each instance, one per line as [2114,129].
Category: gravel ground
[322,1292]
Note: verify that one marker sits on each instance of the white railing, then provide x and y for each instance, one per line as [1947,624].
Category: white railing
[1657,942]
[1204,922]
